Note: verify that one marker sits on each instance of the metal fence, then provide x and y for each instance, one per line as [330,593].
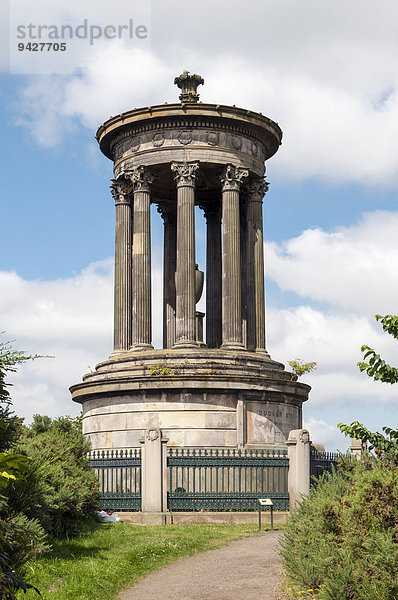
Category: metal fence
[119,475]
[222,480]
[321,462]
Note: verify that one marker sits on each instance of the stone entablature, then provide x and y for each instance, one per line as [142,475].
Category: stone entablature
[216,135]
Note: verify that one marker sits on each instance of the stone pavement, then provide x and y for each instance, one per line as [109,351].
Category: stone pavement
[247,569]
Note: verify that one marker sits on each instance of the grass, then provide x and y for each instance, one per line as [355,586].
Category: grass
[107,558]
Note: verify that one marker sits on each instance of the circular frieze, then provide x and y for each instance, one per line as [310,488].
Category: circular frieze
[185,137]
[254,149]
[158,139]
[213,138]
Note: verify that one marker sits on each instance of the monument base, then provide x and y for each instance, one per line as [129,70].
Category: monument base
[198,398]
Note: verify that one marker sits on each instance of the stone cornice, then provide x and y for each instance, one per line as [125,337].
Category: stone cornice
[190,115]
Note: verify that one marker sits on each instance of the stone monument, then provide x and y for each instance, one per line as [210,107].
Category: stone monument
[224,391]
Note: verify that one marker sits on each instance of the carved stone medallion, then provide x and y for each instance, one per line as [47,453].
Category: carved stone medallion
[152,434]
[236,142]
[185,137]
[158,139]
[135,144]
[213,138]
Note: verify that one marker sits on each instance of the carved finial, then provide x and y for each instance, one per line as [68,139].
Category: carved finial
[188,84]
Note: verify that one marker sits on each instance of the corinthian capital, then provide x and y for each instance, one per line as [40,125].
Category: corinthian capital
[232,177]
[256,189]
[121,191]
[141,178]
[185,173]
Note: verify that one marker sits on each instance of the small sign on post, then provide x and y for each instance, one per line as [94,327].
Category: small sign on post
[265,502]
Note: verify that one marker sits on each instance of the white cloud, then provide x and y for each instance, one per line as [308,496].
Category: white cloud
[328,435]
[334,342]
[352,268]
[69,319]
[330,80]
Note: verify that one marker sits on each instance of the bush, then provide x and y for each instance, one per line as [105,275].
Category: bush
[61,489]
[343,539]
[28,540]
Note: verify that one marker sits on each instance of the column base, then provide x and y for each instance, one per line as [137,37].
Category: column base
[119,351]
[232,346]
[263,352]
[185,344]
[138,347]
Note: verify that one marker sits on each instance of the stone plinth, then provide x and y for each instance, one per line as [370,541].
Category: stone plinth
[198,397]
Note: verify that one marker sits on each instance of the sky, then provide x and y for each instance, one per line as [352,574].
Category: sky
[325,71]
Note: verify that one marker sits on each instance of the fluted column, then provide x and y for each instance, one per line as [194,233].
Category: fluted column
[243,271]
[213,275]
[141,178]
[231,275]
[169,217]
[255,282]
[121,192]
[185,176]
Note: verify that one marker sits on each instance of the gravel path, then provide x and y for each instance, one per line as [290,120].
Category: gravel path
[247,569]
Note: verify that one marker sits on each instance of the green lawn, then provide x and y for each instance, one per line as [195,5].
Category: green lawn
[109,557]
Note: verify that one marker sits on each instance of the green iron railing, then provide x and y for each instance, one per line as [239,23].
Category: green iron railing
[321,462]
[119,476]
[221,480]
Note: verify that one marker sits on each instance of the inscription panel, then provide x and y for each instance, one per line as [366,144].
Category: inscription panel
[270,423]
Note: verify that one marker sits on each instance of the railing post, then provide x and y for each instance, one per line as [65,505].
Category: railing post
[154,473]
[357,448]
[299,445]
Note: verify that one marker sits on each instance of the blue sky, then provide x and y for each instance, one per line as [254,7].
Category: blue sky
[326,72]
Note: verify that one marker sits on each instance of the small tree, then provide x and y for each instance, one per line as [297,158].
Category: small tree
[10,424]
[300,367]
[384,445]
[375,366]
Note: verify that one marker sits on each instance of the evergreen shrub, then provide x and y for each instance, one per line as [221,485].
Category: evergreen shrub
[342,541]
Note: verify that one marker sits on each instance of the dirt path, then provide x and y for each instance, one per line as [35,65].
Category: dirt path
[247,569]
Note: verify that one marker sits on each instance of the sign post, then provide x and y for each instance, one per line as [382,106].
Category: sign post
[265,502]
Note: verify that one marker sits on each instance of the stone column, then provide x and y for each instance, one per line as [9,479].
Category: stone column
[185,175]
[169,217]
[243,270]
[299,448]
[255,266]
[121,192]
[213,276]
[141,179]
[231,275]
